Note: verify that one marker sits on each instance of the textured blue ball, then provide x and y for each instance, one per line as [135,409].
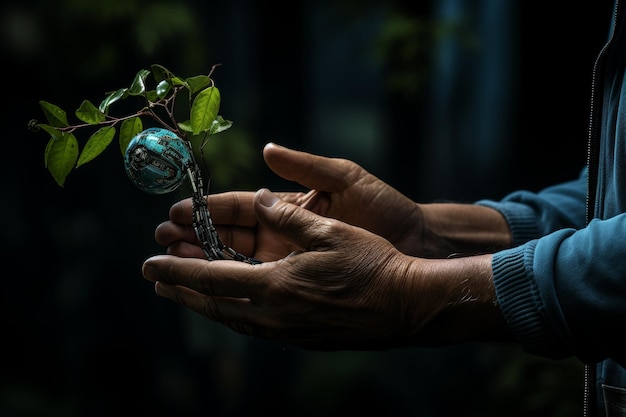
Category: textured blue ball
[156,161]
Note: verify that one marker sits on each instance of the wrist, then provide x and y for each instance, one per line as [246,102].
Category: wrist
[450,229]
[454,301]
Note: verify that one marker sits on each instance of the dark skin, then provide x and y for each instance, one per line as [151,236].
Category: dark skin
[351,264]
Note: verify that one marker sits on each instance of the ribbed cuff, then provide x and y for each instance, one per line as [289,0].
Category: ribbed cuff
[520,217]
[520,302]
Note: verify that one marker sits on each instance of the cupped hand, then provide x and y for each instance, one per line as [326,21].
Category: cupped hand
[343,190]
[341,287]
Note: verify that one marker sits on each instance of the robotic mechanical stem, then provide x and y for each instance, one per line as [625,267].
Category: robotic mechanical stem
[212,246]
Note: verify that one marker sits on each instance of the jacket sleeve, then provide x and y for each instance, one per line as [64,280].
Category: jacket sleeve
[533,215]
[562,288]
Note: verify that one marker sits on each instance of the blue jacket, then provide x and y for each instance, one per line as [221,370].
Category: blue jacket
[562,287]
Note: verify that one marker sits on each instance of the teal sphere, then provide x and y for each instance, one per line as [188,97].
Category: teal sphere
[156,161]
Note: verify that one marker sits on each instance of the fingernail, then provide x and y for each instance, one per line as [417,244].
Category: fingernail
[267,198]
[148,271]
[161,289]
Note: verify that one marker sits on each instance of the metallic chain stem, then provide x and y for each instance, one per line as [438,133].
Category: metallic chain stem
[212,246]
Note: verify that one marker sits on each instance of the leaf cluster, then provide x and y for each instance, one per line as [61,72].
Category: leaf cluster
[158,95]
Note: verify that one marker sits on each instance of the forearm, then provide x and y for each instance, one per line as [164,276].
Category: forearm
[451,229]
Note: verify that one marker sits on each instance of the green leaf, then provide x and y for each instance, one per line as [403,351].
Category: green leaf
[152,96]
[60,156]
[163,88]
[52,131]
[185,126]
[96,144]
[128,130]
[112,98]
[220,125]
[204,109]
[197,83]
[160,73]
[89,113]
[54,114]
[179,81]
[138,87]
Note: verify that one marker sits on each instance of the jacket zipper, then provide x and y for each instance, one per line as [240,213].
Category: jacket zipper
[593,150]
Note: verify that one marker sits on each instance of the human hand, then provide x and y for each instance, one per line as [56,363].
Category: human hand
[339,189]
[343,190]
[342,288]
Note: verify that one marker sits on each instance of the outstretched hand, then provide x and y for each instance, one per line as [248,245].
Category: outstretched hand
[338,270]
[339,189]
[340,288]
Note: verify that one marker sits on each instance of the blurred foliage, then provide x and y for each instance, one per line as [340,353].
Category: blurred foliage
[97,38]
[406,44]
[86,336]
[407,38]
[230,159]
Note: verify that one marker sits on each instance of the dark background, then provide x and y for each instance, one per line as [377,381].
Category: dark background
[446,100]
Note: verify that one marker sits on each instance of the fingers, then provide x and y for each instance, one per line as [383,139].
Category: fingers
[219,309]
[213,278]
[167,233]
[317,173]
[225,208]
[192,284]
[293,223]
[312,171]
[290,228]
[185,250]
[182,240]
[233,213]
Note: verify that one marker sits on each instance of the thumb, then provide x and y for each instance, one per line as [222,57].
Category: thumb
[312,171]
[297,225]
